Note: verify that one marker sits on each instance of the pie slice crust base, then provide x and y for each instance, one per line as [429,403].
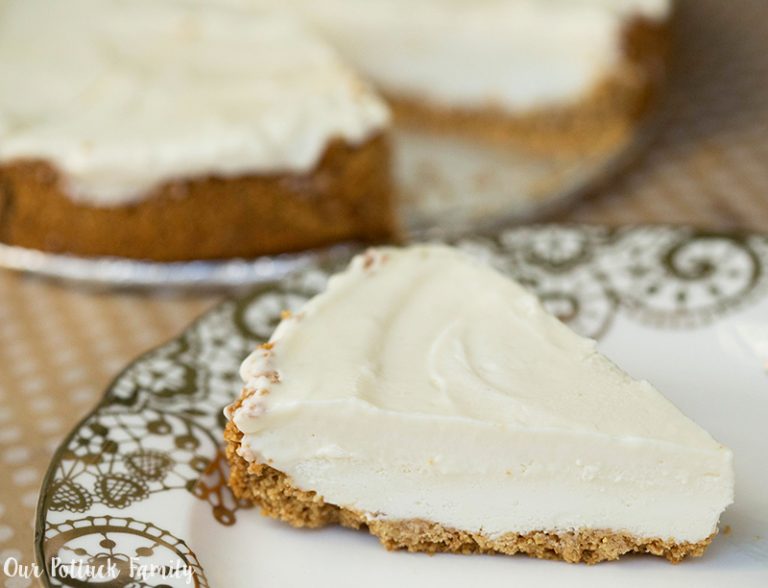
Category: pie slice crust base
[273,492]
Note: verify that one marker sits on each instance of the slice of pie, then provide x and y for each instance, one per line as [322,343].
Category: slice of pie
[433,401]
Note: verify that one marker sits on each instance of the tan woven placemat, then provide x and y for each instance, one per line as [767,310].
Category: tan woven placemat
[60,346]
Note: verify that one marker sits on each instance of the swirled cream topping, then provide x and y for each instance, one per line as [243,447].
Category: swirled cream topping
[122,95]
[424,384]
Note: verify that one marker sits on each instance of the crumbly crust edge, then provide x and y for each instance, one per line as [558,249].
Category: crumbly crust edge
[278,498]
[347,196]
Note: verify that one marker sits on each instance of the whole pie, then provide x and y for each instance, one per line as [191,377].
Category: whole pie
[177,130]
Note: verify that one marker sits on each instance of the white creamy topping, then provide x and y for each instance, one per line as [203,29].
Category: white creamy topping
[513,54]
[423,384]
[123,95]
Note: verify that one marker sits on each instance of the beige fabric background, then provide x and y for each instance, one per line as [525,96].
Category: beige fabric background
[60,346]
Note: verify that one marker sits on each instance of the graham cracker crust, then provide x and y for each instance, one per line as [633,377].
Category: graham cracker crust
[348,196]
[595,124]
[273,492]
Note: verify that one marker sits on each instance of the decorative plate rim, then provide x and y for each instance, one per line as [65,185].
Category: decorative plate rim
[40,510]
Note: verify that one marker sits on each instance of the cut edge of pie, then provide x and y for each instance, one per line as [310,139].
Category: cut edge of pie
[279,499]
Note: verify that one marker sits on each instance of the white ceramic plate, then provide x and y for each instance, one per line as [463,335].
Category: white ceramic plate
[141,479]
